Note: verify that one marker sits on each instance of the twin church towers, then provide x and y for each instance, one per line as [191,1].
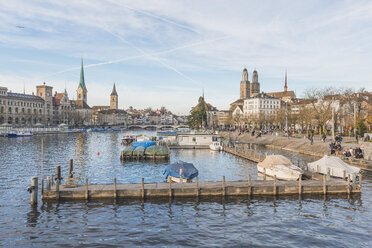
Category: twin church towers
[249,89]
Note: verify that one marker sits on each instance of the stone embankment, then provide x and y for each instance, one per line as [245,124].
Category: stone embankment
[302,145]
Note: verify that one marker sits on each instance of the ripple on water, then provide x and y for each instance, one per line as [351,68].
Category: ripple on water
[259,222]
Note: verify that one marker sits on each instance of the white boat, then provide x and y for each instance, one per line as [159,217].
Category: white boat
[279,166]
[178,179]
[216,146]
[336,166]
[128,139]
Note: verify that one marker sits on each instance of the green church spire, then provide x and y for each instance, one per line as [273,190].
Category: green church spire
[82,81]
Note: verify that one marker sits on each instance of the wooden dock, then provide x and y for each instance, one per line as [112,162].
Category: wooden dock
[249,154]
[200,189]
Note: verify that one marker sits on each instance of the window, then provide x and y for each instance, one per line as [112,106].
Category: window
[10,110]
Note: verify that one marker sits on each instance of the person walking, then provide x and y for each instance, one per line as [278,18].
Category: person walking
[324,137]
[357,137]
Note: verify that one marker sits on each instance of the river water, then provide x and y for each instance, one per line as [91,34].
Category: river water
[334,221]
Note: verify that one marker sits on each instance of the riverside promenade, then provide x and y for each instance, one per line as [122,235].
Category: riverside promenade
[303,146]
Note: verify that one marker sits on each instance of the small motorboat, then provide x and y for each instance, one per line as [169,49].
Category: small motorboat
[336,167]
[181,172]
[216,146]
[279,166]
[19,134]
[127,139]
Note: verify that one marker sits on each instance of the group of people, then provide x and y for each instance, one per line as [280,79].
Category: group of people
[357,153]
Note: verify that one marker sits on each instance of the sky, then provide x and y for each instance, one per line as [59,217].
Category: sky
[166,52]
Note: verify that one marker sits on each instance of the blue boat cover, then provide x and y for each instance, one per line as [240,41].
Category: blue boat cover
[188,170]
[145,144]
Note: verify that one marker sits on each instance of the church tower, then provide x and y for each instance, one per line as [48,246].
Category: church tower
[244,85]
[114,98]
[285,83]
[82,89]
[255,85]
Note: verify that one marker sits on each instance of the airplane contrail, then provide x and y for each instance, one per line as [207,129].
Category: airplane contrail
[142,55]
[155,58]
[157,17]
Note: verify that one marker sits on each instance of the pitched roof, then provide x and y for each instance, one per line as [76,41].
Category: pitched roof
[113,93]
[82,81]
[282,94]
[57,98]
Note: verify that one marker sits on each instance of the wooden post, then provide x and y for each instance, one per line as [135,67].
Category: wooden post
[344,175]
[86,189]
[42,189]
[360,182]
[249,185]
[34,189]
[197,186]
[223,186]
[348,184]
[300,185]
[70,168]
[115,190]
[52,180]
[312,173]
[264,174]
[328,173]
[274,190]
[48,185]
[58,172]
[317,169]
[181,176]
[324,185]
[57,190]
[170,187]
[143,188]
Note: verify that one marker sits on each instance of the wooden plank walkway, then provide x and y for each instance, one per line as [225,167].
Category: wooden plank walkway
[228,188]
[249,154]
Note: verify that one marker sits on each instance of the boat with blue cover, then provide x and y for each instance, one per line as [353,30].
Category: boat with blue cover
[180,171]
[19,134]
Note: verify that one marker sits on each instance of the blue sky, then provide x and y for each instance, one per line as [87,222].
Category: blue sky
[163,53]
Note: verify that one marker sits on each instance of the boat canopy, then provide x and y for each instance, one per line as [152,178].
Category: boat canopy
[145,144]
[272,160]
[336,165]
[188,170]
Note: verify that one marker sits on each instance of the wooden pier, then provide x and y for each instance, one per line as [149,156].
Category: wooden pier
[200,189]
[249,154]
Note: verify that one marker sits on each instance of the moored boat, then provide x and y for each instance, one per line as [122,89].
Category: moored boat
[216,146]
[336,167]
[139,151]
[128,139]
[19,134]
[181,172]
[279,166]
[141,138]
[157,151]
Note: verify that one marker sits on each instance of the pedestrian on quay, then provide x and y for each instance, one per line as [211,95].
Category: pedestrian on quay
[356,137]
[324,137]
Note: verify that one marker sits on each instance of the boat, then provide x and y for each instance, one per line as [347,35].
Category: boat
[128,151]
[145,144]
[139,151]
[180,172]
[157,151]
[279,166]
[336,166]
[127,139]
[19,134]
[142,138]
[216,146]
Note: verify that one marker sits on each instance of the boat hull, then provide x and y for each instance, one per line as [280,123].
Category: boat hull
[281,172]
[178,180]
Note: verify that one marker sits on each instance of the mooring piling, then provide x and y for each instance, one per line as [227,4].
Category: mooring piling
[48,183]
[275,188]
[197,187]
[71,168]
[300,185]
[33,190]
[143,188]
[223,186]
[115,190]
[249,185]
[86,189]
[324,185]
